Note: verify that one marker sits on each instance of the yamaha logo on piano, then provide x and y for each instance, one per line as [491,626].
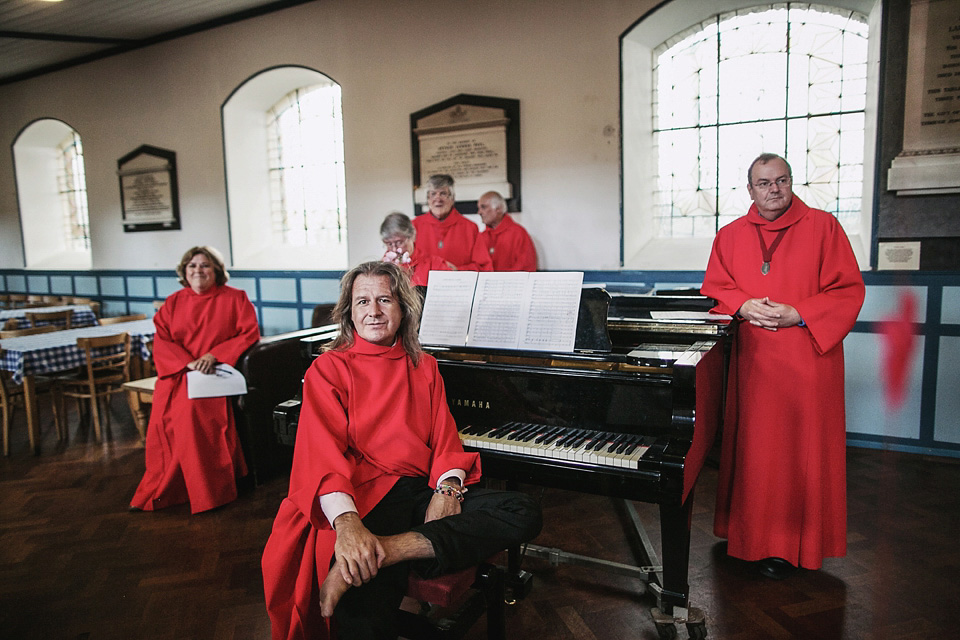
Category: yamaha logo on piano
[471,404]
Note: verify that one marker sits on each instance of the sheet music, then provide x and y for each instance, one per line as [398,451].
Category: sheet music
[446,309]
[549,320]
[225,381]
[497,306]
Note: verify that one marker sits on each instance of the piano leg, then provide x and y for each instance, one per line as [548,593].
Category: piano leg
[673,594]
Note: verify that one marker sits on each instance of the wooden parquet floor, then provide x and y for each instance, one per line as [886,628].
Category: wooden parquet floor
[76,565]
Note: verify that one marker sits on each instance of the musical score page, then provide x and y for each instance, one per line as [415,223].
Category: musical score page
[446,309]
[497,306]
[549,317]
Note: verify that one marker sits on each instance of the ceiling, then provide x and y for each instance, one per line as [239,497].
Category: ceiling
[38,37]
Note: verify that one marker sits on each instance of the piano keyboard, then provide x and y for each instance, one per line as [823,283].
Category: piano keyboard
[620,450]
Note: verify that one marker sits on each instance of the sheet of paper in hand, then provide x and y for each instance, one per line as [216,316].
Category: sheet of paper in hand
[225,381]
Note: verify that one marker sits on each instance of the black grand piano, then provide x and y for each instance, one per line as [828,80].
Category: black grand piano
[631,413]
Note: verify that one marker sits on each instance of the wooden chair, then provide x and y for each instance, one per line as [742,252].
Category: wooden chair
[60,319]
[10,394]
[119,319]
[52,300]
[106,370]
[35,299]
[29,331]
[10,325]
[17,300]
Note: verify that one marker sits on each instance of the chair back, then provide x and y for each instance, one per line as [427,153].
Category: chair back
[11,324]
[61,319]
[16,333]
[119,319]
[52,300]
[106,365]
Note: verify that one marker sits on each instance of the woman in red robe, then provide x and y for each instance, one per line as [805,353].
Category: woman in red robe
[192,451]
[399,237]
[788,272]
[379,477]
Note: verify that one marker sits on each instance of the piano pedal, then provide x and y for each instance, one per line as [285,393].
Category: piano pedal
[693,618]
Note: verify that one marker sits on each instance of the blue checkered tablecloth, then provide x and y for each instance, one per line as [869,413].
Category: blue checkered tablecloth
[58,350]
[83,315]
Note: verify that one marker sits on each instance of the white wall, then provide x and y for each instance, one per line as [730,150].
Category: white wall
[560,59]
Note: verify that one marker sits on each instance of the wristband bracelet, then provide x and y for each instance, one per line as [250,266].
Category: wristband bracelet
[450,490]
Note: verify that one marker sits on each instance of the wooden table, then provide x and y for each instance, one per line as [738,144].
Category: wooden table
[83,315]
[140,393]
[46,353]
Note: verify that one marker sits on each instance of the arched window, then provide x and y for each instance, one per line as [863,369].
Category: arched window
[52,195]
[791,78]
[283,141]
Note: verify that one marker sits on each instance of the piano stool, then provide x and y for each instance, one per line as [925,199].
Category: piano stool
[140,393]
[486,582]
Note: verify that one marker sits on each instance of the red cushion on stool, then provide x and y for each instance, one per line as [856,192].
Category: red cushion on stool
[442,590]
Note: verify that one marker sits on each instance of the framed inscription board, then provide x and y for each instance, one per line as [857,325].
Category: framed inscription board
[475,139]
[148,189]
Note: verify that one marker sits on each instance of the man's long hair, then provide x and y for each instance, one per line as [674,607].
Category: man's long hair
[402,290]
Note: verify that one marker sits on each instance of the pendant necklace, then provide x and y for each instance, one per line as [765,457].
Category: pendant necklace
[767,252]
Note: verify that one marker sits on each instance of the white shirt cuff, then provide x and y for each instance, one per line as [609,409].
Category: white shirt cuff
[336,504]
[460,474]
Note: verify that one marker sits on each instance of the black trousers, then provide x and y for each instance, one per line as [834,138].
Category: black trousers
[489,522]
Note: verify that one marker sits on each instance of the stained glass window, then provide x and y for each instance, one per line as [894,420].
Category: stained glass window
[790,78]
[305,155]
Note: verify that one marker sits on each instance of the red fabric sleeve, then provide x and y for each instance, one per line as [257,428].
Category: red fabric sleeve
[247,331]
[831,314]
[169,357]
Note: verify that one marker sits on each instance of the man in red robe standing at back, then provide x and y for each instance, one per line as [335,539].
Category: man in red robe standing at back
[509,244]
[444,232]
[788,273]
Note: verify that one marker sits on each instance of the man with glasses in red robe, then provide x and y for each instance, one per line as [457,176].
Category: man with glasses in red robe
[788,274]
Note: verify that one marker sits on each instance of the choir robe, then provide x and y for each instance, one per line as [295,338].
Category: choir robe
[369,416]
[421,264]
[455,239]
[782,480]
[192,450]
[510,246]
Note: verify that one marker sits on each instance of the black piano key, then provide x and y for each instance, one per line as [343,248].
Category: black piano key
[548,435]
[615,443]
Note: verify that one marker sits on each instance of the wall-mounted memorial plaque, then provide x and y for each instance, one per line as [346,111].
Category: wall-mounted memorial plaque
[476,140]
[148,189]
[930,160]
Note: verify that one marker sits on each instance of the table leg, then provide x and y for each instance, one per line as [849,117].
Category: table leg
[33,413]
[138,411]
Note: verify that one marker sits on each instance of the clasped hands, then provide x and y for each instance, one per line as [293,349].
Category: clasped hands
[360,553]
[207,363]
[767,314]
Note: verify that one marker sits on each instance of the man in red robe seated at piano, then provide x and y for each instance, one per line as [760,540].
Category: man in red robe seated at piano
[788,273]
[445,233]
[192,450]
[379,479]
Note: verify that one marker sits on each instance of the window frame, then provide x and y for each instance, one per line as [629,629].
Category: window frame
[640,247]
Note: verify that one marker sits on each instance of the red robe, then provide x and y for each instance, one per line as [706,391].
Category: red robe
[421,264]
[369,416]
[192,450]
[782,481]
[510,246]
[455,239]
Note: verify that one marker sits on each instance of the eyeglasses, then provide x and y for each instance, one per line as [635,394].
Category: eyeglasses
[443,193]
[781,182]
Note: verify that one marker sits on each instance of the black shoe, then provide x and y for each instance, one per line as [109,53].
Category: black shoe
[776,568]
